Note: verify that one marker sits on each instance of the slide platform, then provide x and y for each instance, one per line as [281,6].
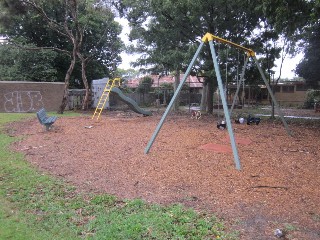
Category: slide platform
[130,102]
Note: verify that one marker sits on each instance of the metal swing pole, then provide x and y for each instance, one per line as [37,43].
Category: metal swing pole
[224,104]
[226,84]
[240,81]
[164,116]
[272,96]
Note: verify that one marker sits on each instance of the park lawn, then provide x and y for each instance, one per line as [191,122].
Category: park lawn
[38,206]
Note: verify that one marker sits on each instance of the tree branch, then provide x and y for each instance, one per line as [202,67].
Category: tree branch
[265,186]
[284,53]
[54,25]
[65,25]
[39,48]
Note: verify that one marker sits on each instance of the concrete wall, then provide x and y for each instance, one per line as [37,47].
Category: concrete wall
[16,96]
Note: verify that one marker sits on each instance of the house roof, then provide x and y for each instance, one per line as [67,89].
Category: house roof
[192,81]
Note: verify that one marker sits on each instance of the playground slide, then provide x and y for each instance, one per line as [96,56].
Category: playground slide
[130,102]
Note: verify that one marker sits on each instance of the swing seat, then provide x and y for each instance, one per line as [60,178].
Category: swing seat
[221,125]
[195,114]
[239,120]
[251,120]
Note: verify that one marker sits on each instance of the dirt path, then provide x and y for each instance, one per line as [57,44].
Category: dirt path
[278,186]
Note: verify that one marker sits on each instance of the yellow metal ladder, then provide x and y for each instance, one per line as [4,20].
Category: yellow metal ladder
[105,96]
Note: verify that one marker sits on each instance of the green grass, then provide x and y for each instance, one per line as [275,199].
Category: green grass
[38,206]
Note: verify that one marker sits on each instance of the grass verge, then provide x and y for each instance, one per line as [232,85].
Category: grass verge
[37,206]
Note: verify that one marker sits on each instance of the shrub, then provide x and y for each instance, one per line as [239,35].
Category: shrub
[313,96]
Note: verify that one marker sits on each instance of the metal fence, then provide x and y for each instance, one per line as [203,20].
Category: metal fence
[75,98]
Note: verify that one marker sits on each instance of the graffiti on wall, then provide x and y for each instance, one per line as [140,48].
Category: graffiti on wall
[23,101]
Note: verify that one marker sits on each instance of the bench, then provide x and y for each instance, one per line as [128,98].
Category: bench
[44,119]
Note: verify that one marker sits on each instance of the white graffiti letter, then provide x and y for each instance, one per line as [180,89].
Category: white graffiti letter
[36,99]
[23,101]
[10,102]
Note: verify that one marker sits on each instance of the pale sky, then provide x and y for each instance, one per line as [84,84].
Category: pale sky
[289,64]
[126,58]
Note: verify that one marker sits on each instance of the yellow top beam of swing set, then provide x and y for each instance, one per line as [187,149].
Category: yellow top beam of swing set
[210,37]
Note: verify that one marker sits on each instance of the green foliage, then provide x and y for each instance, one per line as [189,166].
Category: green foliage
[101,39]
[28,210]
[8,68]
[169,87]
[126,73]
[167,30]
[166,86]
[137,220]
[288,18]
[145,85]
[23,65]
[313,96]
[37,206]
[100,44]
[298,22]
[104,199]
[7,118]
[308,68]
[289,227]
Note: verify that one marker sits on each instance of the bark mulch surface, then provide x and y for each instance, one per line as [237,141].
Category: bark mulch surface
[191,162]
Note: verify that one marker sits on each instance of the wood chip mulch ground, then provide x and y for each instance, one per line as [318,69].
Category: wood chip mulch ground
[191,163]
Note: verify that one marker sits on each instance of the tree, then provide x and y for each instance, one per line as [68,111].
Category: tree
[287,17]
[160,53]
[126,74]
[19,64]
[81,29]
[168,32]
[308,68]
[145,85]
[104,32]
[37,66]
[298,22]
[25,20]
[8,68]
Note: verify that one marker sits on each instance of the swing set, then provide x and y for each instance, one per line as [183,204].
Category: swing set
[210,38]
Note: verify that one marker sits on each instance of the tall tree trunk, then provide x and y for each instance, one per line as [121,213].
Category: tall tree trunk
[210,96]
[203,104]
[75,41]
[85,103]
[67,82]
[272,104]
[175,86]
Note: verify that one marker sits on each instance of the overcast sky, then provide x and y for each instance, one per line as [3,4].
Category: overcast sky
[289,64]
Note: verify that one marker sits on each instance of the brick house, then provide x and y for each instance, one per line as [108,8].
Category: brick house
[286,93]
[187,96]
[192,81]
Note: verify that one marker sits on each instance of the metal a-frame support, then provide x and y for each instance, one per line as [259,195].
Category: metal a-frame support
[210,38]
[250,53]
[240,81]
